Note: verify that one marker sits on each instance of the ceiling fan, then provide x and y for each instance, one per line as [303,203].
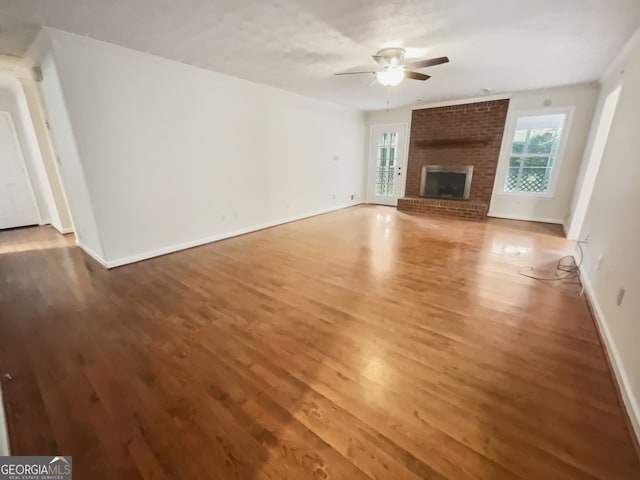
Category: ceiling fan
[394,69]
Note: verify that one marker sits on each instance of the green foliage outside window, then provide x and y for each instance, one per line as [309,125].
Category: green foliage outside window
[532,156]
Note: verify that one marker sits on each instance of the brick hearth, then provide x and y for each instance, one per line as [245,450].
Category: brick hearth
[444,208]
[468,134]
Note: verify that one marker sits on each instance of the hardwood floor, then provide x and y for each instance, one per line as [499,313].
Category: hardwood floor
[364,343]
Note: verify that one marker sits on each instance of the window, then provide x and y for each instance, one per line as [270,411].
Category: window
[386,163]
[533,152]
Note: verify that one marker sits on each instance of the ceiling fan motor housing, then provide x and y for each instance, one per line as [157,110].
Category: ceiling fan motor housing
[390,56]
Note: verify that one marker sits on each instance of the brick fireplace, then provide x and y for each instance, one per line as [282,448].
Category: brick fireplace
[456,136]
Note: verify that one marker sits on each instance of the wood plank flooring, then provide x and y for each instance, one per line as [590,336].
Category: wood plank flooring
[361,344]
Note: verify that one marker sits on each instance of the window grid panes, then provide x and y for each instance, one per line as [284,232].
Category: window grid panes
[386,163]
[533,153]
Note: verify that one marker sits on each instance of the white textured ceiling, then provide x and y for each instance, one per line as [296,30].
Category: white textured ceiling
[505,45]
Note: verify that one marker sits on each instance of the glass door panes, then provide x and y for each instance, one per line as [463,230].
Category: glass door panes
[386,163]
[533,153]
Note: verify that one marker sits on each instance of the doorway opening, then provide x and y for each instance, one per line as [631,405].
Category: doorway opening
[593,162]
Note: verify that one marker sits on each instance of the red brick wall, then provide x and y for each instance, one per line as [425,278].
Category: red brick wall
[468,134]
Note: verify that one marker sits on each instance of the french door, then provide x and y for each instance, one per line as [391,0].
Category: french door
[386,153]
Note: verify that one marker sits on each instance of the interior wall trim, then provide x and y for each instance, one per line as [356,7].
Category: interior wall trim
[528,218]
[620,378]
[92,254]
[118,262]
[4,434]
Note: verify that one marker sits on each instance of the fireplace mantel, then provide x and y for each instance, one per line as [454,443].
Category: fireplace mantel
[453,143]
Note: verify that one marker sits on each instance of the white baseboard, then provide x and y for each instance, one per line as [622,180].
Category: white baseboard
[526,218]
[4,434]
[63,231]
[93,254]
[628,398]
[59,228]
[202,241]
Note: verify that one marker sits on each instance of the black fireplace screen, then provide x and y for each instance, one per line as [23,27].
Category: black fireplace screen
[445,184]
[440,181]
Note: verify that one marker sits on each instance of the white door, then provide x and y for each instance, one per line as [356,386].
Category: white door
[17,203]
[386,163]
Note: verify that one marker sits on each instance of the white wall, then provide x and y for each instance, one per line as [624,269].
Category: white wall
[395,115]
[70,168]
[612,223]
[174,155]
[555,208]
[12,100]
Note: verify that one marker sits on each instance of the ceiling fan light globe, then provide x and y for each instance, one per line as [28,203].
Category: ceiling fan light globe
[390,76]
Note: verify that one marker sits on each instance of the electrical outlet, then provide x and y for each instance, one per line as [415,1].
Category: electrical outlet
[600,258]
[334,196]
[621,293]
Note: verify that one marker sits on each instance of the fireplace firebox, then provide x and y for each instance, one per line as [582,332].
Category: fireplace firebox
[446,181]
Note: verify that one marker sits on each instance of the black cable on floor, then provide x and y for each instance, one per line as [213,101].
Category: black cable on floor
[567,269]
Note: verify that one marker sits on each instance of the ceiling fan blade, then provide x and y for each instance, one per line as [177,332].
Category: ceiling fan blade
[353,73]
[430,62]
[416,75]
[379,59]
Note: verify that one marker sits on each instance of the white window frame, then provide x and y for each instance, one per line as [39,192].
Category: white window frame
[507,145]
